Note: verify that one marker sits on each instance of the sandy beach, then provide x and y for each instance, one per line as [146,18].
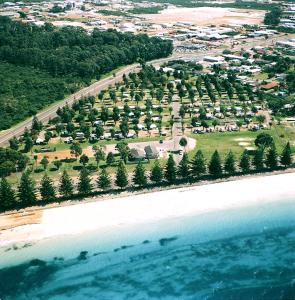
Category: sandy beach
[49,222]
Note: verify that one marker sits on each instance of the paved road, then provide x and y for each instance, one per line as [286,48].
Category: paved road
[95,88]
[45,115]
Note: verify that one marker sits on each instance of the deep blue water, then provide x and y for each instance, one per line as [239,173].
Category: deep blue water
[238,254]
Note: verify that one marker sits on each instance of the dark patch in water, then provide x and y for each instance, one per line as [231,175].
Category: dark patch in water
[82,255]
[58,258]
[146,242]
[166,241]
[25,277]
[99,253]
[124,247]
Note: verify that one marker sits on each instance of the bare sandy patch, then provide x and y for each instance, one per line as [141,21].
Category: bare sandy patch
[62,154]
[244,144]
[208,16]
[244,139]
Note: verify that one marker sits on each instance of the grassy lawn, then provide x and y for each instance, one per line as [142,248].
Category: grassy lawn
[223,142]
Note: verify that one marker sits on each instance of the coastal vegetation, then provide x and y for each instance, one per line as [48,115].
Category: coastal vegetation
[58,62]
[145,10]
[265,158]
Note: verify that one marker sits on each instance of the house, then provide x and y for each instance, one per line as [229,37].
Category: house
[40,141]
[270,86]
[137,153]
[68,140]
[93,138]
[151,152]
[80,136]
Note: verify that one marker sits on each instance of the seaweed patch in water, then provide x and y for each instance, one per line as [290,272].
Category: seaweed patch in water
[166,241]
[82,255]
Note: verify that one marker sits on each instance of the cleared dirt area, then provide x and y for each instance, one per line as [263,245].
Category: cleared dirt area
[62,154]
[208,16]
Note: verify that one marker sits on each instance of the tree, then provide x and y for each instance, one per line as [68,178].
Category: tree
[264,140]
[110,158]
[121,175]
[139,177]
[26,190]
[57,164]
[184,167]
[245,162]
[36,124]
[28,144]
[170,171]
[272,157]
[7,195]
[84,159]
[116,114]
[84,184]
[66,187]
[183,142]
[286,156]
[258,159]
[104,115]
[230,163]
[156,173]
[215,167]
[47,189]
[260,119]
[98,154]
[198,167]
[273,16]
[44,162]
[13,143]
[76,150]
[123,150]
[104,181]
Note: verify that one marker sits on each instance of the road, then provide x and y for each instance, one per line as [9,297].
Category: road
[93,89]
[96,87]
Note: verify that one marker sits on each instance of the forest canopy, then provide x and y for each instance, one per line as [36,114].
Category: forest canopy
[40,65]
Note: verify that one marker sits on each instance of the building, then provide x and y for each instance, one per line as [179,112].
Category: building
[137,154]
[151,152]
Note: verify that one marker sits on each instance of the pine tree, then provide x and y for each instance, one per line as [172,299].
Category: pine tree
[7,196]
[26,190]
[84,184]
[156,173]
[104,181]
[66,187]
[121,176]
[198,164]
[139,176]
[184,167]
[272,157]
[170,171]
[258,159]
[215,167]
[245,162]
[286,157]
[230,163]
[47,190]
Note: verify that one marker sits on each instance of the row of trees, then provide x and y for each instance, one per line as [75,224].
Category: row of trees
[186,171]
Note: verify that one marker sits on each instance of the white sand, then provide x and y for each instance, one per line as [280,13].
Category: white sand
[151,207]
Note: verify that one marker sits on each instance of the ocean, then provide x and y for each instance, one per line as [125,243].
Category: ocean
[246,253]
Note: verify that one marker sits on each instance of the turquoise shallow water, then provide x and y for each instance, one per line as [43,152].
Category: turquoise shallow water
[237,254]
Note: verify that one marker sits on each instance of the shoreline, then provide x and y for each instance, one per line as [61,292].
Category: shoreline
[99,213]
